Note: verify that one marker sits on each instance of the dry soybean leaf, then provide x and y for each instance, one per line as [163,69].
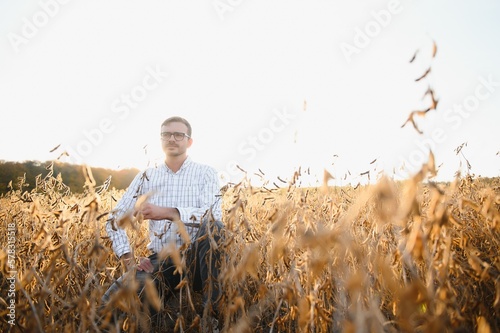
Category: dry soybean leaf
[249,262]
[431,164]
[243,325]
[497,297]
[326,177]
[237,303]
[179,323]
[263,291]
[475,263]
[482,325]
[181,284]
[304,313]
[181,229]
[125,221]
[176,257]
[152,294]
[126,324]
[195,324]
[141,200]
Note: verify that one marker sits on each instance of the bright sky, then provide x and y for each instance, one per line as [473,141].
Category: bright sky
[269,85]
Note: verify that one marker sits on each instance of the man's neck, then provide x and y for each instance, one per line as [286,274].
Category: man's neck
[174,163]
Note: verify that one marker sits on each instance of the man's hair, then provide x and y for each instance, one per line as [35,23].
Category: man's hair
[178,120]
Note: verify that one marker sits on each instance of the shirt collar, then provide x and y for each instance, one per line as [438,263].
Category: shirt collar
[184,165]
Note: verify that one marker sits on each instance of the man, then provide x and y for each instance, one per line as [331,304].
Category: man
[178,191]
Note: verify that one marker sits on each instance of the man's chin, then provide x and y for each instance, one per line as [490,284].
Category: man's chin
[173,153]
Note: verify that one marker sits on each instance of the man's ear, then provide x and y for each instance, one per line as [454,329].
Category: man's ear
[190,142]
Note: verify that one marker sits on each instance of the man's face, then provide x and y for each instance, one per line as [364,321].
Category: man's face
[171,145]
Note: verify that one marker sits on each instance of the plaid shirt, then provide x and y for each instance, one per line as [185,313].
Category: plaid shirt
[192,190]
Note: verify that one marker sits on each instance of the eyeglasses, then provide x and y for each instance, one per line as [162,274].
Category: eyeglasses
[178,136]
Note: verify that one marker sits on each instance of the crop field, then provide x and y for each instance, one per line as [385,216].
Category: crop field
[406,256]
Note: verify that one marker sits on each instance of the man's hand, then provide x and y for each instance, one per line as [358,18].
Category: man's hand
[153,212]
[145,265]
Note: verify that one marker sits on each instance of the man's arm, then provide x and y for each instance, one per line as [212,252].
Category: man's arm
[207,198]
[153,212]
[117,235]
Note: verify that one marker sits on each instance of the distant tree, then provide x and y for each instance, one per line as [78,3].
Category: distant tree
[72,175]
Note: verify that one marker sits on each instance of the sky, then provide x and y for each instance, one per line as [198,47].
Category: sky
[273,87]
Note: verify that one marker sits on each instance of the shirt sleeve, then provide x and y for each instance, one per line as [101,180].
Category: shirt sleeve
[118,236]
[208,199]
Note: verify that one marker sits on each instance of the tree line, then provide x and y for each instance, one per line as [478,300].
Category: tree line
[72,175]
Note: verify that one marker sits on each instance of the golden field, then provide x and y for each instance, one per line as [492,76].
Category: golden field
[411,256]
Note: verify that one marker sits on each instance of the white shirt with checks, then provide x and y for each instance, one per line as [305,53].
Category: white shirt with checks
[193,190]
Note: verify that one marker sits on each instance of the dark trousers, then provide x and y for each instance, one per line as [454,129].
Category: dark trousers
[202,268]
